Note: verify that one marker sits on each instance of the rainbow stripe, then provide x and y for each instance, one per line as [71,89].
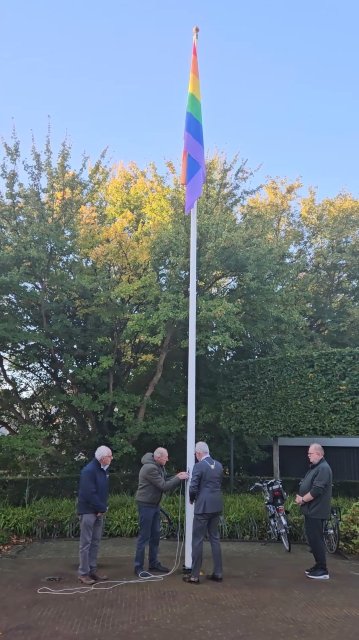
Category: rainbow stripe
[193,164]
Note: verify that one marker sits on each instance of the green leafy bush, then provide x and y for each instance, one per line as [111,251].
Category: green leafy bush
[349,529]
[244,518]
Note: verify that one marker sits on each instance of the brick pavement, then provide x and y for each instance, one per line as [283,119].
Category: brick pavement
[264,596]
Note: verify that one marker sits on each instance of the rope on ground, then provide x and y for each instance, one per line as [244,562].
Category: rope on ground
[113,584]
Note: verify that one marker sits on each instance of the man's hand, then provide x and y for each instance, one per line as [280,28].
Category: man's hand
[183,475]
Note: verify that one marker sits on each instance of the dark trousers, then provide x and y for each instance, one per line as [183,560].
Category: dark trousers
[149,533]
[315,537]
[206,523]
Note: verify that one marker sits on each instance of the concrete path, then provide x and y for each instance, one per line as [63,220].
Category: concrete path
[264,596]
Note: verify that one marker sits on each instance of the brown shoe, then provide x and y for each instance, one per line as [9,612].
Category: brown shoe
[97,577]
[86,580]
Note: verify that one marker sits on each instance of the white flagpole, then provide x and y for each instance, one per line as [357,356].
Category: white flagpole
[191,396]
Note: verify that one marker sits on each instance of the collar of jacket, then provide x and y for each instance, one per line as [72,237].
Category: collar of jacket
[312,465]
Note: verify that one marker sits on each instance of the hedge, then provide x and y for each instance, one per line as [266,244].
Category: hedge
[296,395]
[23,491]
[244,519]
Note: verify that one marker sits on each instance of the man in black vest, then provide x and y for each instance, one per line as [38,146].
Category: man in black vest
[314,498]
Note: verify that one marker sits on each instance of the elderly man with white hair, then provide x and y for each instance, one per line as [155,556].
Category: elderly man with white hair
[91,507]
[152,483]
[205,491]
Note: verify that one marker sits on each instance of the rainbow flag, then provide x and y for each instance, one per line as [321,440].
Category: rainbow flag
[193,164]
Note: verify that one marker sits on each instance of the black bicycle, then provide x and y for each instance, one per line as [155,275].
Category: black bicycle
[168,528]
[332,530]
[274,498]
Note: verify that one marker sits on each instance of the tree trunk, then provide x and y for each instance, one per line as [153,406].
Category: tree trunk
[156,378]
[231,464]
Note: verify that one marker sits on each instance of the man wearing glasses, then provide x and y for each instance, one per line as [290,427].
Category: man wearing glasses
[91,507]
[314,498]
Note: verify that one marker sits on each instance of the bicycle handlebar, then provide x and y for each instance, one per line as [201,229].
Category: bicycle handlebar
[262,484]
[257,485]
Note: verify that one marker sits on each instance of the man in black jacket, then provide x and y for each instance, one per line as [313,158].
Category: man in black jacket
[314,498]
[91,507]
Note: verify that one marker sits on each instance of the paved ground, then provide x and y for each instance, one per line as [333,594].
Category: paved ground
[264,596]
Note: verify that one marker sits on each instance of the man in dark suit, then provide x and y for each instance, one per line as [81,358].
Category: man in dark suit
[205,491]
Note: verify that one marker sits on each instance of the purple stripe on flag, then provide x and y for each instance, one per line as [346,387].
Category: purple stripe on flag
[194,190]
[195,150]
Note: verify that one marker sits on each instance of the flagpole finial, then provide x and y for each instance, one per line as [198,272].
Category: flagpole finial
[195,32]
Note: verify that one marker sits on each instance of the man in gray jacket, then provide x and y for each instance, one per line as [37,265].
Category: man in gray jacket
[152,483]
[205,491]
[315,494]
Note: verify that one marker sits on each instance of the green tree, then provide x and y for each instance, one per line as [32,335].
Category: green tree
[329,280]
[42,288]
[94,283]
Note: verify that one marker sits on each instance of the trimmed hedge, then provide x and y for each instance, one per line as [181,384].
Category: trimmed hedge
[244,518]
[302,395]
[22,491]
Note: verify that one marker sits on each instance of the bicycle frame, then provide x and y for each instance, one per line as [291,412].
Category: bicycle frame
[274,498]
[331,530]
[168,528]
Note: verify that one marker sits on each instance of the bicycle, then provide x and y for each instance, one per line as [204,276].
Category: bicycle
[168,528]
[274,498]
[332,530]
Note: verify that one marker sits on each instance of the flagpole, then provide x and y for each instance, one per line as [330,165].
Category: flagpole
[193,177]
[191,394]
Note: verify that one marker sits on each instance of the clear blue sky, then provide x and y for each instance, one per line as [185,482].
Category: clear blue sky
[279,81]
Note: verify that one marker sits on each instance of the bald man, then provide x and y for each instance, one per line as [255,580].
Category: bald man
[152,483]
[314,498]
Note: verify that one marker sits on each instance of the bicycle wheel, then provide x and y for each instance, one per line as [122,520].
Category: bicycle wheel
[331,535]
[166,526]
[283,532]
[284,536]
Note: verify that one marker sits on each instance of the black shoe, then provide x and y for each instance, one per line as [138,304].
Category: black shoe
[313,568]
[190,580]
[98,577]
[141,573]
[213,576]
[318,574]
[159,568]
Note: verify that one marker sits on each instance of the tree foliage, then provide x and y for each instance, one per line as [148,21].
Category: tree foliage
[94,276]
